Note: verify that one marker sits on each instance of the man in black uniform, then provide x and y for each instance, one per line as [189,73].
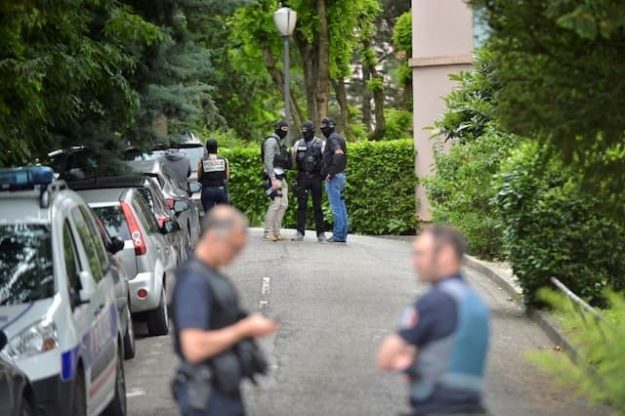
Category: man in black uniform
[213,173]
[307,157]
[214,337]
[333,170]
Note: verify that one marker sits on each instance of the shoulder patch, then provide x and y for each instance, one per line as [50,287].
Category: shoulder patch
[409,318]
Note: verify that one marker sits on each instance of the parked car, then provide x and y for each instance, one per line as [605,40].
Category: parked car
[148,187]
[15,390]
[177,195]
[147,255]
[57,297]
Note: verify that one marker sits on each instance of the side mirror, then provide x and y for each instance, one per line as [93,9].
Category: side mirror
[180,206]
[88,287]
[194,187]
[116,245]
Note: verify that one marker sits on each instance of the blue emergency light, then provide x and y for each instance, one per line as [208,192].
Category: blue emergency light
[25,178]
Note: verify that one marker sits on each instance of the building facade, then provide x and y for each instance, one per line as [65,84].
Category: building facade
[442,44]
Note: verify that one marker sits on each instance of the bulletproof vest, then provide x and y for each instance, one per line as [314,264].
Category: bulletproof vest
[457,361]
[215,172]
[309,155]
[281,159]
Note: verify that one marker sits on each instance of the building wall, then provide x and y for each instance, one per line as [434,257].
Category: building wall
[442,44]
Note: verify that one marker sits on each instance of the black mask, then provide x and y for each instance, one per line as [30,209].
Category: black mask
[328,126]
[308,130]
[281,129]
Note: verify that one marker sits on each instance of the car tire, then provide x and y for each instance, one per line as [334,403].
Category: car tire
[79,396]
[25,408]
[118,406]
[130,346]
[158,319]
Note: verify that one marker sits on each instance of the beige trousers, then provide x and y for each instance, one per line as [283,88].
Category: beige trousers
[275,212]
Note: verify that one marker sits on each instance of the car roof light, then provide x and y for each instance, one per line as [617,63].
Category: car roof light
[25,177]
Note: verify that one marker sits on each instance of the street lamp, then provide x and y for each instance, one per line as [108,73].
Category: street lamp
[285,19]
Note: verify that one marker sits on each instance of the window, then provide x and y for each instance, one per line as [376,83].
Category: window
[97,236]
[92,244]
[26,272]
[72,264]
[114,221]
[145,215]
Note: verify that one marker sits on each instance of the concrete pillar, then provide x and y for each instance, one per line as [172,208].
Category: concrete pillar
[442,44]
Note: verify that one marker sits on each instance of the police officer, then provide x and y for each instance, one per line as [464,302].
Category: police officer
[213,173]
[333,170]
[276,161]
[307,157]
[442,340]
[214,338]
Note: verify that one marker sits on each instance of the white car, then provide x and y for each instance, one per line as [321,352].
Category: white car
[57,297]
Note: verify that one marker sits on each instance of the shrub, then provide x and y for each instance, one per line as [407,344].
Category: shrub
[598,368]
[398,124]
[462,189]
[380,194]
[552,228]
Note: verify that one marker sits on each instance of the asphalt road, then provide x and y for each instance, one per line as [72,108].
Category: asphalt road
[335,304]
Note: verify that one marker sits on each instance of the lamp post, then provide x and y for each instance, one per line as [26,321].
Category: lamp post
[285,19]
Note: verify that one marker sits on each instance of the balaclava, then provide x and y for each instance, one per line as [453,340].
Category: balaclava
[281,128]
[308,130]
[328,125]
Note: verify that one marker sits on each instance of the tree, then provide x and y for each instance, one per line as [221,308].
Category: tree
[402,41]
[64,70]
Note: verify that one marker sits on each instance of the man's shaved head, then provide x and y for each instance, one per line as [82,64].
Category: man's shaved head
[224,235]
[438,252]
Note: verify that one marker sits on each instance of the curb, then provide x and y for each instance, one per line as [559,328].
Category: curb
[541,318]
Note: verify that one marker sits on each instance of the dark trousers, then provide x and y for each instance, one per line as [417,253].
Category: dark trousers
[213,195]
[313,184]
[219,404]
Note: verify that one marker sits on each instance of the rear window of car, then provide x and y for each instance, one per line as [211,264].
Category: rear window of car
[113,220]
[26,272]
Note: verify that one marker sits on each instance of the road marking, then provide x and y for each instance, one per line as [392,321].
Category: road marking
[265,290]
[135,393]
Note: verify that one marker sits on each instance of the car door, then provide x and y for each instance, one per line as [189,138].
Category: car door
[100,340]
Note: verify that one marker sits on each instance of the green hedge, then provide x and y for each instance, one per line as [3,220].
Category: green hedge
[380,194]
[551,227]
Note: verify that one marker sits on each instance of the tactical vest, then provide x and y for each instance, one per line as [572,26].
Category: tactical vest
[455,362]
[309,155]
[215,172]
[281,159]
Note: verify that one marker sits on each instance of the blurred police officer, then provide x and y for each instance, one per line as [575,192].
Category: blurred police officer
[442,341]
[307,158]
[213,173]
[333,170]
[276,161]
[214,338]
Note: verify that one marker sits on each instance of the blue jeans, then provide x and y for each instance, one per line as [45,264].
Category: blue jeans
[335,188]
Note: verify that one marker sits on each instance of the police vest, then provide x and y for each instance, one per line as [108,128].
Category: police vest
[215,172]
[309,155]
[281,159]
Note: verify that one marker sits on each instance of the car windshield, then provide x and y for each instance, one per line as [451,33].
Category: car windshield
[114,221]
[26,273]
[194,154]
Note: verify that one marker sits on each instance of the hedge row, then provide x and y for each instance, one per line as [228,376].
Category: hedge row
[380,194]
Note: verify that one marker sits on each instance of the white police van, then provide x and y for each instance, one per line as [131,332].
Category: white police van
[57,301]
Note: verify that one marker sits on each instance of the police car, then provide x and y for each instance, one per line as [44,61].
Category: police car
[57,300]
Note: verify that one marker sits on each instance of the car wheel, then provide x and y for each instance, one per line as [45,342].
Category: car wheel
[158,319]
[79,403]
[118,406]
[25,408]
[130,346]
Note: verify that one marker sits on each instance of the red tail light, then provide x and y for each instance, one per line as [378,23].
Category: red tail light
[170,203]
[135,230]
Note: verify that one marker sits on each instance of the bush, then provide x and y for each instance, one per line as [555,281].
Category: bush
[380,194]
[552,228]
[462,189]
[398,124]
[598,368]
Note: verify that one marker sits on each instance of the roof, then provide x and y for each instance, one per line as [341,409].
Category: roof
[129,181]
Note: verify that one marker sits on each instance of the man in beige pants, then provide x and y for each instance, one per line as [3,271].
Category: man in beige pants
[276,161]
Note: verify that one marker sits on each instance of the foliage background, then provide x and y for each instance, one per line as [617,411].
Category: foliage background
[380,194]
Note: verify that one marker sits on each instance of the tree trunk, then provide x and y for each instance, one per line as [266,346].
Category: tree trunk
[309,65]
[278,78]
[378,101]
[341,97]
[366,98]
[323,76]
